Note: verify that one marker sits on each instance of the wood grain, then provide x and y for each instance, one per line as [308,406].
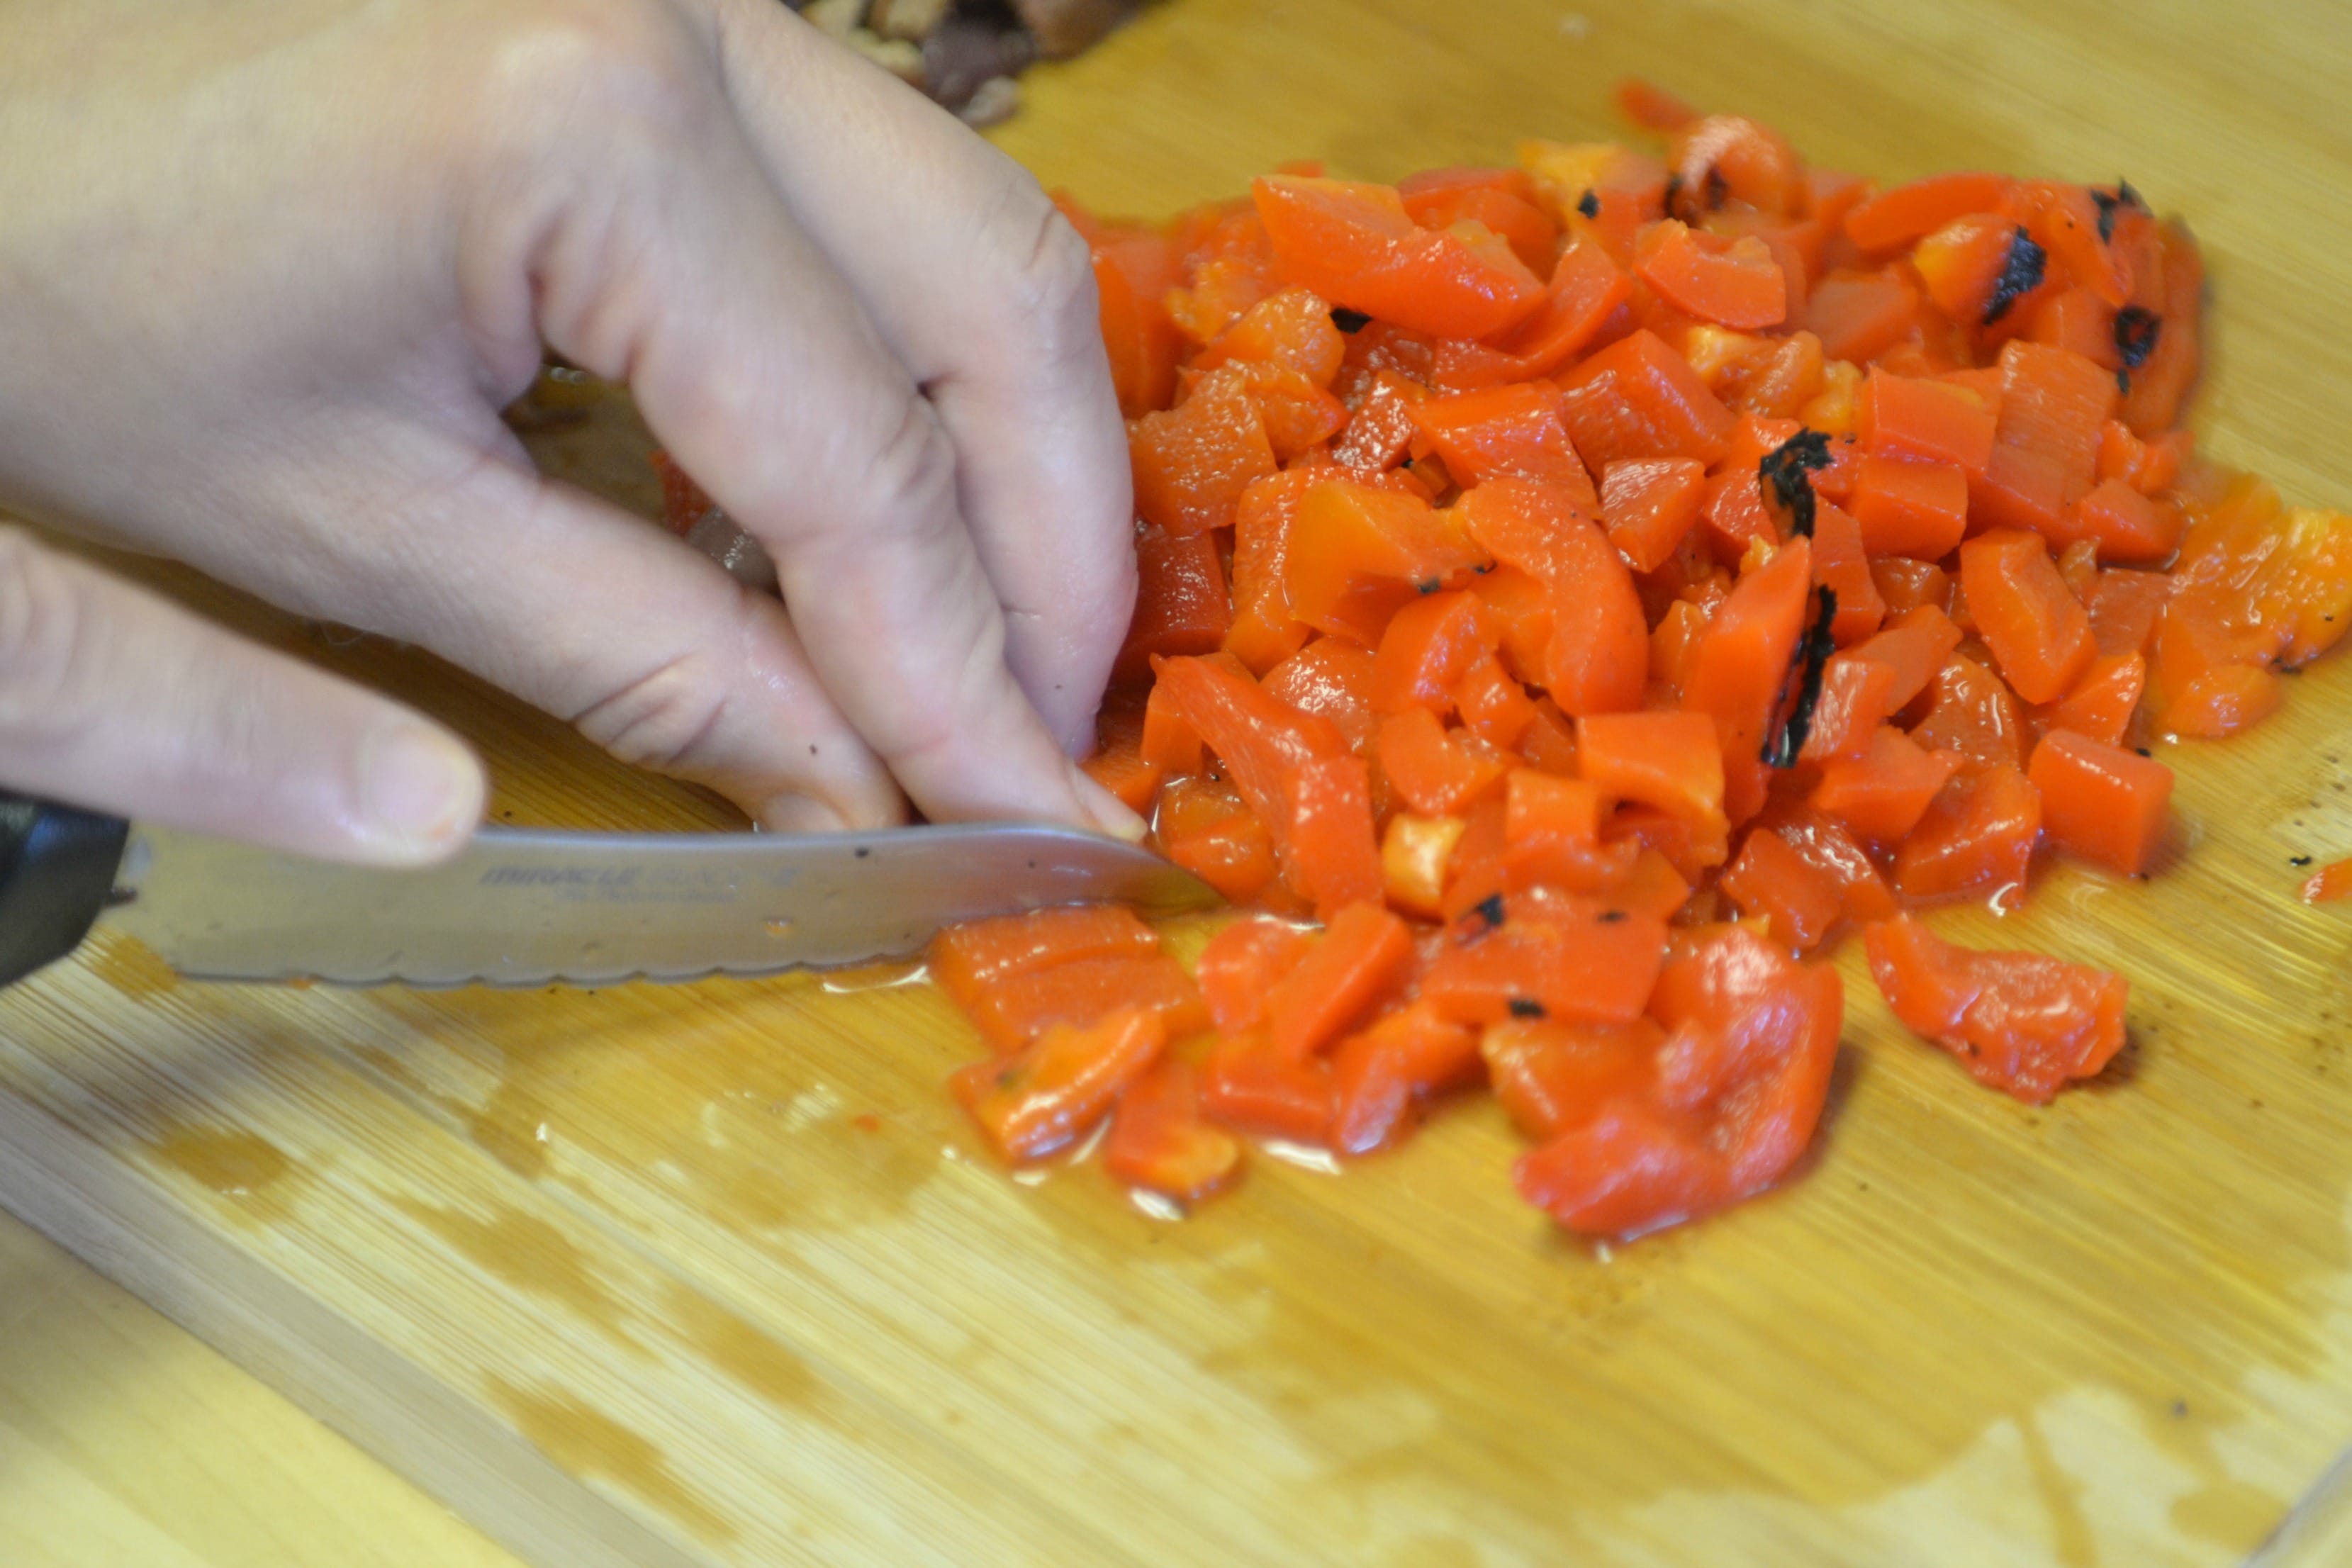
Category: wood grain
[714,1275]
[123,1441]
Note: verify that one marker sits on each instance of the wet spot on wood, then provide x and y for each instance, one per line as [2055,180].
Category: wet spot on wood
[739,1348]
[234,1164]
[589,1444]
[525,1252]
[130,967]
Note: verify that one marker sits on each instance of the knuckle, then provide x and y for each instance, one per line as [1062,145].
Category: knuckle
[43,621]
[663,718]
[911,478]
[1050,290]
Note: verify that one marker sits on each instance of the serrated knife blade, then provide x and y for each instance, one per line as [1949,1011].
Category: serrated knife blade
[526,907]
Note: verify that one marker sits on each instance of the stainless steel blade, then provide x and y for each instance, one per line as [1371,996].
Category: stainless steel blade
[534,907]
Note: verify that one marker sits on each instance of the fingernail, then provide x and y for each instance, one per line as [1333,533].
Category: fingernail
[421,791]
[1110,812]
[801,814]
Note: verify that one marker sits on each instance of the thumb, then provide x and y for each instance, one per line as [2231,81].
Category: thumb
[115,699]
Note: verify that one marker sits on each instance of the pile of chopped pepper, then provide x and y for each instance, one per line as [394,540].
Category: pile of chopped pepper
[1574,595]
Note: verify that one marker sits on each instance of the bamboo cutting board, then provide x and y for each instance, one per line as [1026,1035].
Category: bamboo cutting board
[716,1276]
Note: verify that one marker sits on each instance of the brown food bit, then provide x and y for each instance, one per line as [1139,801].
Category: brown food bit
[1063,28]
[963,51]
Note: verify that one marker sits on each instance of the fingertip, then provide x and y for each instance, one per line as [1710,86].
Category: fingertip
[1110,815]
[792,813]
[421,793]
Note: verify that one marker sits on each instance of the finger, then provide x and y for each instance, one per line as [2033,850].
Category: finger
[118,700]
[754,362]
[987,295]
[648,647]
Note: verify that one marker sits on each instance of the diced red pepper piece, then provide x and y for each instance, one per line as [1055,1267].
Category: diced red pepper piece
[1058,1087]
[1355,245]
[1741,1080]
[1649,504]
[1567,962]
[1918,509]
[1505,432]
[1159,1141]
[1673,760]
[2100,801]
[1883,793]
[973,958]
[1733,281]
[1972,713]
[1354,966]
[1598,657]
[1239,968]
[1976,836]
[2018,1021]
[1798,901]
[2103,702]
[1380,1076]
[1013,1012]
[1911,212]
[1180,602]
[1358,553]
[1741,664]
[1638,398]
[1925,421]
[2127,525]
[1551,1075]
[1428,647]
[1248,1083]
[1435,771]
[1192,463]
[1333,859]
[2036,629]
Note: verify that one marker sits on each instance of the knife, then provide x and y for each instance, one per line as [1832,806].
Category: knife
[533,908]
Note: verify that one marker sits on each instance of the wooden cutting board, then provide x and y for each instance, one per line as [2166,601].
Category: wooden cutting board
[715,1275]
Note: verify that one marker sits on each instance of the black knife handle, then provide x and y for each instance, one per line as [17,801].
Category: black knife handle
[57,871]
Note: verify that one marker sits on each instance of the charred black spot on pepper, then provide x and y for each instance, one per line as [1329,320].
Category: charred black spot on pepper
[2143,750]
[2020,274]
[1813,660]
[1489,910]
[2136,328]
[1526,1007]
[1427,586]
[1786,475]
[1673,193]
[2122,381]
[2106,202]
[1588,204]
[2110,202]
[1610,916]
[2298,859]
[1349,321]
[1716,188]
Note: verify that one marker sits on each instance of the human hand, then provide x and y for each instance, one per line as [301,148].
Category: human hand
[268,270]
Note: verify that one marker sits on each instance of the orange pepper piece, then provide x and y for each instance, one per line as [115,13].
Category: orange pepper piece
[2019,1021]
[2100,801]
